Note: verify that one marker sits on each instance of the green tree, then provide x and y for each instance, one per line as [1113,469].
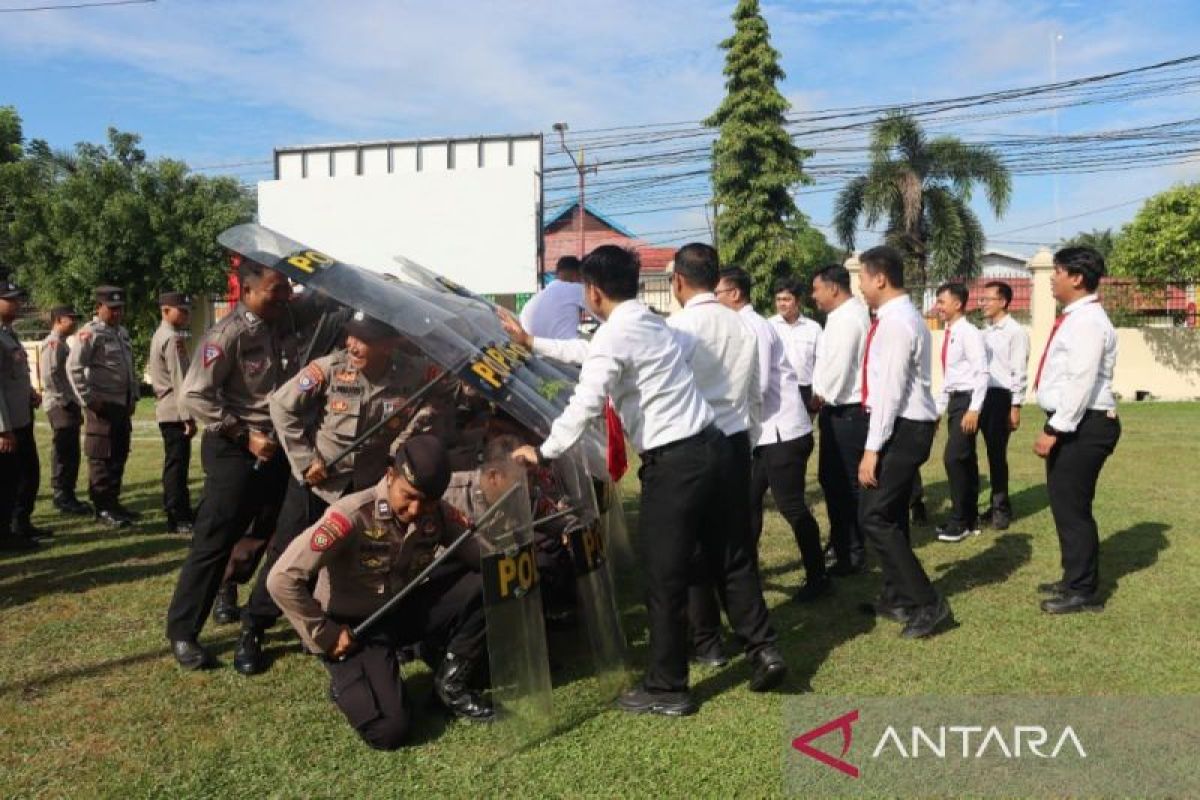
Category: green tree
[756,166]
[923,188]
[1163,241]
[1102,240]
[11,137]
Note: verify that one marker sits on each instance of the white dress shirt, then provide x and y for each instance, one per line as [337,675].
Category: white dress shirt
[966,365]
[784,416]
[800,341]
[554,312]
[837,375]
[723,356]
[1007,346]
[634,359]
[1078,371]
[898,371]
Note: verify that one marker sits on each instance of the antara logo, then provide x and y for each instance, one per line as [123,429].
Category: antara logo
[843,723]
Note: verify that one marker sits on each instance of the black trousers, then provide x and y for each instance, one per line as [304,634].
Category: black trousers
[781,467]
[67,426]
[301,508]
[962,466]
[688,504]
[445,614]
[843,438]
[234,491]
[993,424]
[106,445]
[883,513]
[1072,470]
[19,475]
[806,395]
[177,456]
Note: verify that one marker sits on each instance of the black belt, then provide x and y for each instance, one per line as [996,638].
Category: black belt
[843,408]
[1091,413]
[961,393]
[708,434]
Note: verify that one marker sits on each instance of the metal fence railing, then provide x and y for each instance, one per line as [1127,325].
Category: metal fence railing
[655,291]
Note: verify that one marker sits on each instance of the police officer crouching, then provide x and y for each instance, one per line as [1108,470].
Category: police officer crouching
[365,548]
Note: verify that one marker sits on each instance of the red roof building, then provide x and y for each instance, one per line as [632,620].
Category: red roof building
[561,238]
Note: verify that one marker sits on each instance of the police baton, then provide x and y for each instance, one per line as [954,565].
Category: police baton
[418,396]
[365,626]
[556,515]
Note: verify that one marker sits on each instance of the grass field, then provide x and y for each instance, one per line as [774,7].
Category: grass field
[92,705]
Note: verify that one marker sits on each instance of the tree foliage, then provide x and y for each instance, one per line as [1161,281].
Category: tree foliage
[105,214]
[922,188]
[756,166]
[1103,241]
[1163,241]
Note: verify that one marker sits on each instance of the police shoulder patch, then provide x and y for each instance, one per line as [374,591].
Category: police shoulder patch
[333,528]
[311,377]
[212,352]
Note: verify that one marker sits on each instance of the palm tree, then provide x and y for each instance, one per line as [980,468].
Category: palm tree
[1102,240]
[923,188]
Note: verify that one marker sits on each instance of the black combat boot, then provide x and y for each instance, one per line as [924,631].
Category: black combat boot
[451,684]
[225,610]
[248,657]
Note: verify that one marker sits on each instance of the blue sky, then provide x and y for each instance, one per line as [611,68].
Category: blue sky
[218,82]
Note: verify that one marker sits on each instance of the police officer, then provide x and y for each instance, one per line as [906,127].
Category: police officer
[366,547]
[318,414]
[62,410]
[227,391]
[19,466]
[100,367]
[167,366]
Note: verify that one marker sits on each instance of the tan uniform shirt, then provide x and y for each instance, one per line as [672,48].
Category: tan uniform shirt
[361,555]
[100,365]
[236,368]
[465,493]
[167,366]
[16,392]
[52,371]
[328,405]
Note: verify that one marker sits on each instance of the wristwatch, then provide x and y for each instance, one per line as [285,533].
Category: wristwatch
[1051,431]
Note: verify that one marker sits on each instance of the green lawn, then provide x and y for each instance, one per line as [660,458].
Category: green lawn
[91,704]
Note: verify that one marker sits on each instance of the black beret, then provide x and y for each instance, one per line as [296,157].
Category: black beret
[58,312]
[423,462]
[369,329]
[110,296]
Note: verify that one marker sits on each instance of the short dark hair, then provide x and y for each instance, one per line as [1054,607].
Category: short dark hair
[497,453]
[699,265]
[790,284]
[836,274]
[250,272]
[566,264]
[740,279]
[1002,289]
[613,270]
[886,260]
[958,290]
[1085,261]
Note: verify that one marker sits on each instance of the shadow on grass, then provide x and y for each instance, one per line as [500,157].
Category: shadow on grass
[1007,554]
[1129,551]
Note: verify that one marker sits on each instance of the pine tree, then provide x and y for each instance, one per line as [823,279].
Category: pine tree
[755,163]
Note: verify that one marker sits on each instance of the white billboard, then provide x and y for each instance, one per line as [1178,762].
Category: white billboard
[466,208]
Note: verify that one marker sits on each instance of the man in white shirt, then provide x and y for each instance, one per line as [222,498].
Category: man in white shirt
[903,420]
[1007,346]
[837,393]
[1074,388]
[553,313]
[780,456]
[634,359]
[723,356]
[964,385]
[800,334]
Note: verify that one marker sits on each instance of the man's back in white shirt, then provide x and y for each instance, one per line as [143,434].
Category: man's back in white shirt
[553,313]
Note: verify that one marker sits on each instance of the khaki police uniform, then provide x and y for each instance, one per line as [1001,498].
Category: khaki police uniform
[100,368]
[317,415]
[65,417]
[167,367]
[19,470]
[360,555]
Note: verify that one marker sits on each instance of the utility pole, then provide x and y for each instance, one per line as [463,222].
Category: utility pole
[1055,38]
[581,170]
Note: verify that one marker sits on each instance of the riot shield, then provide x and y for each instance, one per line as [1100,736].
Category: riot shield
[516,632]
[612,512]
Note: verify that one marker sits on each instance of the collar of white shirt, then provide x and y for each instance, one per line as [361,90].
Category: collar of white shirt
[701,299]
[1080,303]
[894,306]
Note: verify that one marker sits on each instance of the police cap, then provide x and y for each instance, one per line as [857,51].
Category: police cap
[111,296]
[9,290]
[422,461]
[369,329]
[175,300]
[58,312]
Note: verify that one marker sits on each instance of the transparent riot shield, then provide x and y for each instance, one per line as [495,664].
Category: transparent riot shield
[612,514]
[516,632]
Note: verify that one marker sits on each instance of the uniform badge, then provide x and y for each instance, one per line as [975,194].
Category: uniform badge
[371,562]
[375,533]
[331,530]
[346,376]
[211,353]
[382,509]
[339,406]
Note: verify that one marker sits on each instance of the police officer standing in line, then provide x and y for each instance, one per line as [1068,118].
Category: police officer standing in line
[1074,388]
[100,366]
[62,411]
[317,415]
[1007,346]
[19,467]
[167,367]
[227,391]
[366,547]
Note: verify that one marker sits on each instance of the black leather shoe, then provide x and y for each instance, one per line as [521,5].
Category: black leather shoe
[451,685]
[995,519]
[1056,588]
[17,544]
[639,700]
[127,513]
[769,669]
[73,507]
[112,520]
[813,590]
[189,654]
[1073,604]
[892,613]
[248,656]
[225,609]
[918,514]
[711,655]
[927,619]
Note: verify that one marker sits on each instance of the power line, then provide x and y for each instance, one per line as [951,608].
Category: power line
[1075,216]
[70,6]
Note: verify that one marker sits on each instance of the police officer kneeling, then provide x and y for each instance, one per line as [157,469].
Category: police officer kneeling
[365,548]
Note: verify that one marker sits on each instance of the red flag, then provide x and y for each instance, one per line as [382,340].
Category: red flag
[617,461]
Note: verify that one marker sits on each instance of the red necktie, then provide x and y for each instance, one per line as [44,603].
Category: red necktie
[1042,363]
[945,349]
[866,358]
[616,458]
